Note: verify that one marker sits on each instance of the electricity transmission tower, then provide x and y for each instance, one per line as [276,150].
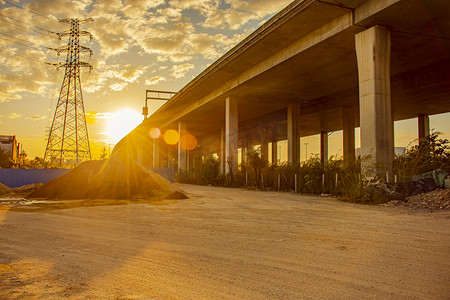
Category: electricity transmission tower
[68,141]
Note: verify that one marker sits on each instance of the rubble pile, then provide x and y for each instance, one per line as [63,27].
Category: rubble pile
[437,199]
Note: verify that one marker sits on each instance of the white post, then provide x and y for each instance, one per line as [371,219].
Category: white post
[295,185]
[323,182]
[262,180]
[279,182]
[245,178]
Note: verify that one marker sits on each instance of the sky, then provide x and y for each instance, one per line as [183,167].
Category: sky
[137,45]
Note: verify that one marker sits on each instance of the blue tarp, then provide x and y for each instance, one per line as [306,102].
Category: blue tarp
[18,177]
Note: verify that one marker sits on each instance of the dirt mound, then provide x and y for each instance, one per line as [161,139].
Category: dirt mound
[116,178]
[3,188]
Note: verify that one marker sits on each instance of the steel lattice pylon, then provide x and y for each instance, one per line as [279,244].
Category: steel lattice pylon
[68,140]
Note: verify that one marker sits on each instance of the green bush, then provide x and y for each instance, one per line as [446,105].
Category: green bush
[209,172]
[430,154]
[254,166]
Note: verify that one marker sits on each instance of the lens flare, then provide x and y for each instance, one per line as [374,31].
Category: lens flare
[155,133]
[171,137]
[188,142]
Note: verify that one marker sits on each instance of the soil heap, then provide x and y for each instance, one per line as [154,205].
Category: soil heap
[116,178]
[3,188]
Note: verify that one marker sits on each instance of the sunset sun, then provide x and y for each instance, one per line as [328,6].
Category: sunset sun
[121,123]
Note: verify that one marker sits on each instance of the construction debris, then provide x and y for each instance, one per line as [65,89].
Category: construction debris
[438,199]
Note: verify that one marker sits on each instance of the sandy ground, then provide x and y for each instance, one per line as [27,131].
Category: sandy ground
[226,244]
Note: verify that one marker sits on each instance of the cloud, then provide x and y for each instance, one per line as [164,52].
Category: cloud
[92,116]
[180,70]
[159,30]
[13,116]
[37,117]
[202,5]
[155,80]
[241,12]
[58,8]
[118,86]
[136,8]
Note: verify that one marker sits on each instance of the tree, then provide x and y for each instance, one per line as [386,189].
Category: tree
[210,170]
[5,159]
[255,163]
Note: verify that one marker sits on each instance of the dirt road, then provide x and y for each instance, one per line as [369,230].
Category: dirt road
[226,244]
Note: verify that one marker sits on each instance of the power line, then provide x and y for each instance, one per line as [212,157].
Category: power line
[29,10]
[15,42]
[29,58]
[26,27]
[34,45]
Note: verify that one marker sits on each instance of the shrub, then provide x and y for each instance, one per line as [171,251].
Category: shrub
[255,165]
[430,154]
[209,172]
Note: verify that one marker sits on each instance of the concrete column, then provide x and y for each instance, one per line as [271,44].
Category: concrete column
[324,147]
[348,126]
[424,127]
[293,133]
[155,161]
[373,50]
[264,150]
[198,162]
[231,132]
[222,151]
[274,153]
[182,153]
[169,156]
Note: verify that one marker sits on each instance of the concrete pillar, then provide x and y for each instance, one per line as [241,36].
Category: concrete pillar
[348,128]
[169,157]
[293,133]
[155,161]
[424,127]
[373,49]
[222,152]
[231,133]
[324,147]
[274,153]
[182,153]
[264,150]
[189,160]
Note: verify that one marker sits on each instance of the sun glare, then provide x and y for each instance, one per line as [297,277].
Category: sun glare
[121,123]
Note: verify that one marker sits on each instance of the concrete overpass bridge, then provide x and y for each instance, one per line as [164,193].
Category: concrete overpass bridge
[315,67]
